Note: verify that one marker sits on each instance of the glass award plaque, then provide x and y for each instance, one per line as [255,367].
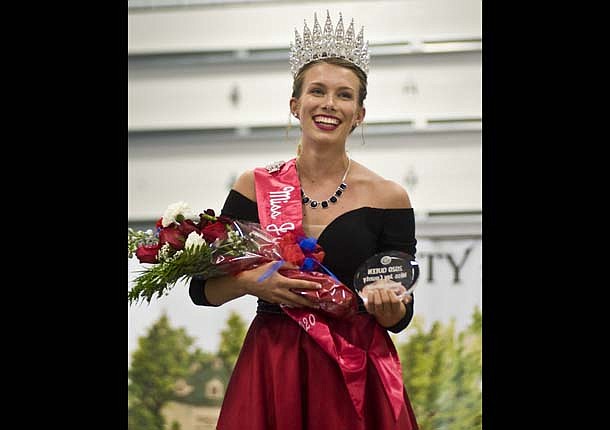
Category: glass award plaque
[393,270]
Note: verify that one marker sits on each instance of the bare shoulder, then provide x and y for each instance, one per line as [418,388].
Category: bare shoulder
[393,195]
[382,192]
[245,185]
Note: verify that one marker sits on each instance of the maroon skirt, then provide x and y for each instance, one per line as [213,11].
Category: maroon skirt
[283,380]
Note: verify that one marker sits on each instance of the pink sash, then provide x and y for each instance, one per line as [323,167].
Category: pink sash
[278,195]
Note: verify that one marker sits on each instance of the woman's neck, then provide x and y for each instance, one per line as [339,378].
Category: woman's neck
[317,164]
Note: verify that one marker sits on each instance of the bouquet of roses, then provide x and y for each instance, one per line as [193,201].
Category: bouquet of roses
[184,245]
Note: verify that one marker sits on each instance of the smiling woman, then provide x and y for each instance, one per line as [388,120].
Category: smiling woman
[327,95]
[320,373]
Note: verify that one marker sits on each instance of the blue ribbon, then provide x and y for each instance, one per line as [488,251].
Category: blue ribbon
[307,245]
[332,275]
[310,263]
[274,268]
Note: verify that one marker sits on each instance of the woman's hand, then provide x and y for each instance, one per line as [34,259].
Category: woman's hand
[383,303]
[276,288]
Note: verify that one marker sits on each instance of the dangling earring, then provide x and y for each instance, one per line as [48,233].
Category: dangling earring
[291,114]
[362,132]
[299,145]
[289,126]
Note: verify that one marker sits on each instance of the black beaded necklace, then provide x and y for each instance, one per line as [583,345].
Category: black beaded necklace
[332,199]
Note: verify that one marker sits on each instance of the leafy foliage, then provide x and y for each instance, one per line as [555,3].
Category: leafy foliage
[232,339]
[158,279]
[163,356]
[442,374]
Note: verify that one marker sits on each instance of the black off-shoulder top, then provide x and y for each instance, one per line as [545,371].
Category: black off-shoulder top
[347,241]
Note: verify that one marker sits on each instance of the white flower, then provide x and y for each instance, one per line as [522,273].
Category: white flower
[175,209]
[165,252]
[193,240]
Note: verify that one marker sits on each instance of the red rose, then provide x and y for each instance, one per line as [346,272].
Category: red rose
[173,236]
[187,226]
[216,230]
[204,221]
[148,253]
[159,224]
[224,219]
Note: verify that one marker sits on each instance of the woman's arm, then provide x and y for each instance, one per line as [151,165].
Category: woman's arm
[275,289]
[241,204]
[398,234]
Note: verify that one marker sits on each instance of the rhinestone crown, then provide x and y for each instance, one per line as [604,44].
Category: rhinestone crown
[329,44]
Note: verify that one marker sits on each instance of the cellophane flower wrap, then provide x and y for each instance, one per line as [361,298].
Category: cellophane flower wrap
[184,245]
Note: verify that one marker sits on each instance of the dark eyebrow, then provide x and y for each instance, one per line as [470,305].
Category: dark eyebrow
[322,85]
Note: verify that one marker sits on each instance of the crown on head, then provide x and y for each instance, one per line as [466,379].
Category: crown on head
[329,44]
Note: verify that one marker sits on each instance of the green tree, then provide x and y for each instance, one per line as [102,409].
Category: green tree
[163,356]
[442,374]
[466,381]
[138,417]
[462,403]
[232,339]
[426,368]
